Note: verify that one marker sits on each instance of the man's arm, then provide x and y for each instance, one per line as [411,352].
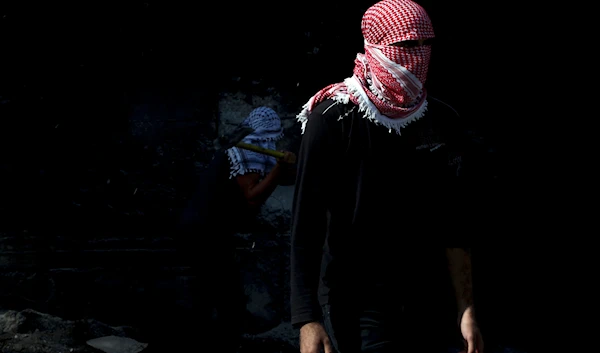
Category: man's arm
[257,191]
[459,264]
[309,222]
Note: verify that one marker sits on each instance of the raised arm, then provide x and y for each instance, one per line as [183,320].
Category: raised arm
[257,190]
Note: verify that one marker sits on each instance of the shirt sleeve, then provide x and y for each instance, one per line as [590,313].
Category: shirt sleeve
[309,220]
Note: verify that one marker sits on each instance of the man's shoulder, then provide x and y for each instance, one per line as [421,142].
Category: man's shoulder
[441,108]
[443,115]
[331,110]
[327,118]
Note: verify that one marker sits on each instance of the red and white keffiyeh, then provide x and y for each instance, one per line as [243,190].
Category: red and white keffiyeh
[388,81]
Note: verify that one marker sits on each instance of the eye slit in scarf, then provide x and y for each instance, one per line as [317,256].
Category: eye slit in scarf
[267,131]
[411,43]
[388,81]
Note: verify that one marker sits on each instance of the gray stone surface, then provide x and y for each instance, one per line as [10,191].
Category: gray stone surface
[30,331]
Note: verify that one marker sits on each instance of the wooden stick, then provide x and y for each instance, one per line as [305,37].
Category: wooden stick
[259,149]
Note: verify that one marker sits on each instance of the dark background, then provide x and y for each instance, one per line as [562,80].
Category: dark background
[79,65]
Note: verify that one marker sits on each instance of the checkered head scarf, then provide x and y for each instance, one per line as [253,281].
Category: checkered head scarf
[267,131]
[388,81]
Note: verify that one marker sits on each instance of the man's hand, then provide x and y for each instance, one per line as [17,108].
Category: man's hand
[470,332]
[313,338]
[288,158]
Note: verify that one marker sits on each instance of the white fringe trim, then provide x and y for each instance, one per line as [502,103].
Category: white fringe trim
[366,106]
[236,167]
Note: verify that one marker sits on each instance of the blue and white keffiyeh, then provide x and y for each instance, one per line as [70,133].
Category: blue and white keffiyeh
[267,130]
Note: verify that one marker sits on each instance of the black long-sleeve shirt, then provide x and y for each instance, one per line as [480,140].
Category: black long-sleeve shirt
[361,195]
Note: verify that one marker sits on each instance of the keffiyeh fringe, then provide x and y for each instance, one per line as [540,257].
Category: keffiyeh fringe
[370,111]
